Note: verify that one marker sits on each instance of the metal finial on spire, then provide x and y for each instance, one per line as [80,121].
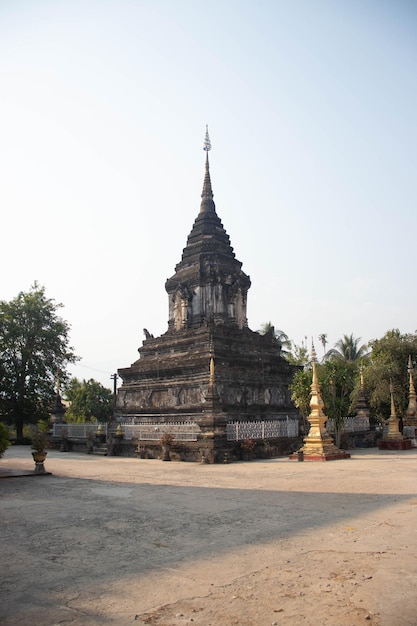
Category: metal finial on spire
[207,203]
[207,142]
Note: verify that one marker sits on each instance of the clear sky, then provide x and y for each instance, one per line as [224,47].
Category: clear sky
[311,107]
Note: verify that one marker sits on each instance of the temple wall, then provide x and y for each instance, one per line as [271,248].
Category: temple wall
[196,306]
[176,396]
[240,310]
[213,299]
[147,398]
[247,395]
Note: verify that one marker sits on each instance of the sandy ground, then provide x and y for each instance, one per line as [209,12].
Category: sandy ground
[127,541]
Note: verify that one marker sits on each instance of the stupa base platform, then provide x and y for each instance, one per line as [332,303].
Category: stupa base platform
[332,456]
[393,444]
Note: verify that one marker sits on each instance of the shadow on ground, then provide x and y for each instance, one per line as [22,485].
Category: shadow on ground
[77,535]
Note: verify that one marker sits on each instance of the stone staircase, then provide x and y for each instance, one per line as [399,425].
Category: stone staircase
[101,449]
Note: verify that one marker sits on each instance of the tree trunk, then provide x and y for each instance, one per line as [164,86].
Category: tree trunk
[338,434]
[19,427]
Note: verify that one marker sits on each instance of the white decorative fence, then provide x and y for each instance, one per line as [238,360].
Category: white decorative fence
[236,431]
[77,431]
[184,431]
[350,425]
[181,431]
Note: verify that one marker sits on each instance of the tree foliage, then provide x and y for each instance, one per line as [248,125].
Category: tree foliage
[298,355]
[4,439]
[339,376]
[337,381]
[300,390]
[89,400]
[348,349]
[389,360]
[323,340]
[34,351]
[269,329]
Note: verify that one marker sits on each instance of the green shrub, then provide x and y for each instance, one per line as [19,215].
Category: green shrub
[43,426]
[4,439]
[28,432]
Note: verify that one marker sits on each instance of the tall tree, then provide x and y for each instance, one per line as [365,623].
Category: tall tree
[389,360]
[348,349]
[34,351]
[298,355]
[337,380]
[89,401]
[323,339]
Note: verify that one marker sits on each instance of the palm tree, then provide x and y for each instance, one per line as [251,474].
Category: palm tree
[348,349]
[323,339]
[280,336]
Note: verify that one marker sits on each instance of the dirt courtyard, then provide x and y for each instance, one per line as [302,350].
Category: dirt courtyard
[276,542]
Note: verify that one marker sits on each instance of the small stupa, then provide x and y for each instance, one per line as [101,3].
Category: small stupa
[394,439]
[362,406]
[318,444]
[58,410]
[410,419]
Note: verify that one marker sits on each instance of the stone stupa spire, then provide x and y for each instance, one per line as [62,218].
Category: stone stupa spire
[208,283]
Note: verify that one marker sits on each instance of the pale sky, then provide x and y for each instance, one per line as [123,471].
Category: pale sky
[311,107]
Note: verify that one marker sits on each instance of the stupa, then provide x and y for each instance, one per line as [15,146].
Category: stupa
[394,440]
[410,418]
[58,409]
[362,407]
[208,371]
[318,444]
